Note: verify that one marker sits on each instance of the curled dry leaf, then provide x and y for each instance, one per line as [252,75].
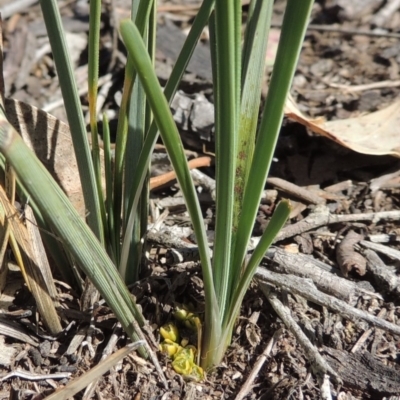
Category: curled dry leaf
[347,258]
[253,335]
[376,133]
[51,141]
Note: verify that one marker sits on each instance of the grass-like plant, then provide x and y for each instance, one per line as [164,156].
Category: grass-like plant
[244,150]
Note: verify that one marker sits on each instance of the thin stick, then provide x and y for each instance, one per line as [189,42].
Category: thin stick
[367,86]
[380,248]
[106,353]
[160,180]
[80,383]
[301,193]
[344,31]
[321,217]
[318,364]
[305,288]
[244,391]
[34,377]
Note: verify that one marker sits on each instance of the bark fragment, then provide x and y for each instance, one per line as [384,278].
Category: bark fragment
[347,258]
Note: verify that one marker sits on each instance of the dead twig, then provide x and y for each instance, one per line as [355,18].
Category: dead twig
[367,86]
[318,364]
[34,377]
[386,181]
[380,248]
[160,180]
[385,277]
[363,338]
[299,192]
[321,217]
[89,391]
[244,391]
[204,181]
[80,383]
[323,275]
[344,31]
[305,288]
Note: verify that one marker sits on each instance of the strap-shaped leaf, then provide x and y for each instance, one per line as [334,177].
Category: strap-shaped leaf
[71,229]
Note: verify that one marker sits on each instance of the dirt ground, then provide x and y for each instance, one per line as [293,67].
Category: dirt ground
[343,235]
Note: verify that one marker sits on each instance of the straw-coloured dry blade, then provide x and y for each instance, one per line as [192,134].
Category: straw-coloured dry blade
[39,252]
[104,366]
[37,273]
[4,235]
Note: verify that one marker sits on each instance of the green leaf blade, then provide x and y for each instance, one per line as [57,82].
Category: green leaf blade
[173,144]
[227,98]
[73,108]
[274,226]
[255,45]
[66,223]
[293,31]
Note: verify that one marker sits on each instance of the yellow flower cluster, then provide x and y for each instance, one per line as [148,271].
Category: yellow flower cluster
[183,355]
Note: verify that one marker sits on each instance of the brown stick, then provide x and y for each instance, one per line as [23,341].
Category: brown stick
[160,180]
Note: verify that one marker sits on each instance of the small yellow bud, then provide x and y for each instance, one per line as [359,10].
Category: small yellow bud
[182,364]
[193,322]
[186,352]
[197,373]
[170,331]
[180,313]
[184,341]
[169,347]
[192,349]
